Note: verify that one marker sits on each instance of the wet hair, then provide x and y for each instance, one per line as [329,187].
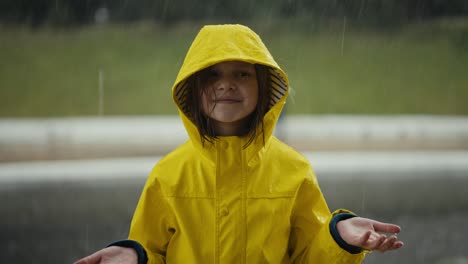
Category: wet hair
[204,124]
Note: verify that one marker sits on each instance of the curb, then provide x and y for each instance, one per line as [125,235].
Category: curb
[89,138]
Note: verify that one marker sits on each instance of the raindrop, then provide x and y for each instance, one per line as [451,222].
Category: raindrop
[101,92]
[343,35]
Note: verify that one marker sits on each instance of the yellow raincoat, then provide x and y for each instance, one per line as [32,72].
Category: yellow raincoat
[222,203]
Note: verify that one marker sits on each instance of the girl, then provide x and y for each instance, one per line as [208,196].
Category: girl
[233,193]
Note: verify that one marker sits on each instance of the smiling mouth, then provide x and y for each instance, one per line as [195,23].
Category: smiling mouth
[227,101]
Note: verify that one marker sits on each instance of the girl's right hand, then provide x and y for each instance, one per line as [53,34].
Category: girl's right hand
[111,255]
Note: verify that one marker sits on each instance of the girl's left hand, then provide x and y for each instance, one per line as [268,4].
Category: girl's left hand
[369,234]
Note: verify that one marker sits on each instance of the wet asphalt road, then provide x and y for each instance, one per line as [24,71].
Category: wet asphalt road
[61,222]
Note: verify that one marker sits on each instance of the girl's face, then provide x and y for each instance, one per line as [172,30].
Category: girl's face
[230,95]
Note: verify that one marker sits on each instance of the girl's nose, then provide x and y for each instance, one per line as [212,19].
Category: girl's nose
[225,83]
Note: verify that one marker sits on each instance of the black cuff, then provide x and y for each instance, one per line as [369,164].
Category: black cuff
[336,235]
[142,257]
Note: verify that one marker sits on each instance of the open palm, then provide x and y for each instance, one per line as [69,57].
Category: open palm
[369,234]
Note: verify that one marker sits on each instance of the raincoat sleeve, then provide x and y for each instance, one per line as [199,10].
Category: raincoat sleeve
[310,239]
[152,222]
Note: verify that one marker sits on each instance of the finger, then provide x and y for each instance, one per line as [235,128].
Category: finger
[365,238]
[387,244]
[374,241]
[91,259]
[386,228]
[397,245]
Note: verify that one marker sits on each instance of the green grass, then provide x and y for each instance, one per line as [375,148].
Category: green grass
[49,72]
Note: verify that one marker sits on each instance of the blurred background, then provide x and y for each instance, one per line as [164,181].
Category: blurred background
[378,105]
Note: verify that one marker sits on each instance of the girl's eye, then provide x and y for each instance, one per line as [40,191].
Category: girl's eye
[213,74]
[243,74]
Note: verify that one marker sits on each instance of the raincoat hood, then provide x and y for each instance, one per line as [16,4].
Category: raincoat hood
[218,43]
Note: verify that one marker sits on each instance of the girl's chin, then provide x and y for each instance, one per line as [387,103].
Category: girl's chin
[229,119]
